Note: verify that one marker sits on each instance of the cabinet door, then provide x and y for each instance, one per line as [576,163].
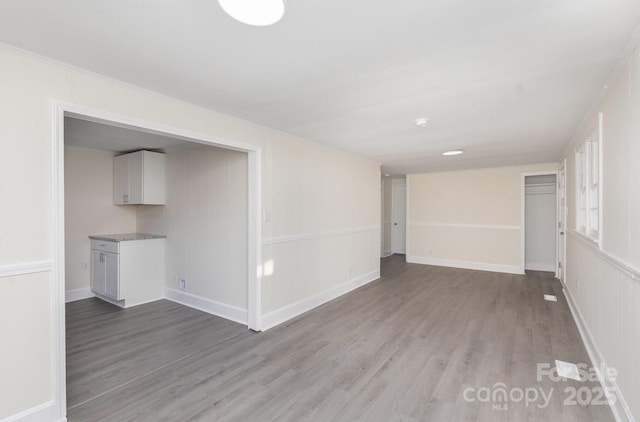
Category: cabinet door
[121,180]
[112,275]
[98,271]
[136,178]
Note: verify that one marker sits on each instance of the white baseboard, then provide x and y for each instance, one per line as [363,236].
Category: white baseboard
[78,294]
[209,306]
[387,253]
[620,408]
[540,267]
[288,312]
[45,412]
[482,266]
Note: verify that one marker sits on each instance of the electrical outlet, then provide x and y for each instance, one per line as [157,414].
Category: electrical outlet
[182,284]
[85,266]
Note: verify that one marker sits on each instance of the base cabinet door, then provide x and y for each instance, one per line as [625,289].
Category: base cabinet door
[112,275]
[98,271]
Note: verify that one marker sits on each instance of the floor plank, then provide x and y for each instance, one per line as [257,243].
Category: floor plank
[403,348]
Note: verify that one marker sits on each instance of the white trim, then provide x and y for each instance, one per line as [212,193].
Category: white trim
[620,409]
[600,177]
[45,412]
[288,312]
[469,265]
[465,226]
[60,109]
[564,212]
[626,269]
[254,232]
[232,313]
[387,253]
[12,270]
[317,235]
[78,294]
[58,332]
[541,267]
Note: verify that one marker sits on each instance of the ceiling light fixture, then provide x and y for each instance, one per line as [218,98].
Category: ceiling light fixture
[422,122]
[453,152]
[254,12]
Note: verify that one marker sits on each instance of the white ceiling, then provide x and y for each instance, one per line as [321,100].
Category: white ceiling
[95,135]
[509,81]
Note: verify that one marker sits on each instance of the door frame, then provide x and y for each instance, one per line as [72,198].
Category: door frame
[523,220]
[60,110]
[564,212]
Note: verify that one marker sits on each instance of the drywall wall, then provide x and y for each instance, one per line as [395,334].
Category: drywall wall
[89,209]
[205,221]
[309,192]
[25,335]
[468,219]
[603,282]
[319,235]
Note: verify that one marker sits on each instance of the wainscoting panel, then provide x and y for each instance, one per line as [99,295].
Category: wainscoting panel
[605,296]
[300,273]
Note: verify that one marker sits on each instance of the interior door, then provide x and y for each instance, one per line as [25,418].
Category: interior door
[399,217]
[562,222]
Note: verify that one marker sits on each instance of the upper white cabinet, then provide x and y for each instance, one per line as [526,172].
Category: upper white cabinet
[139,178]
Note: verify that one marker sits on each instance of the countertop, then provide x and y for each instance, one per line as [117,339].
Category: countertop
[124,237]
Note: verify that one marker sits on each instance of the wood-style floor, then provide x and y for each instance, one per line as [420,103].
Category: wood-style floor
[408,347]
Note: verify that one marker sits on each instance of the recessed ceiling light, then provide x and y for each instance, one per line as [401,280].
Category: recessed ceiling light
[254,12]
[453,152]
[422,122]
[386,175]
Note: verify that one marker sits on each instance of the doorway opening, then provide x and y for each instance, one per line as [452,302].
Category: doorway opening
[399,217]
[62,113]
[540,228]
[394,215]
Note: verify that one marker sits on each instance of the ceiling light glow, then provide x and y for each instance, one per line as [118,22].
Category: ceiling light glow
[422,122]
[453,152]
[254,12]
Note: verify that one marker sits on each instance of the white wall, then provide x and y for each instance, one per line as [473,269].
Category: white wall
[467,219]
[327,200]
[205,221]
[25,330]
[604,283]
[323,232]
[89,209]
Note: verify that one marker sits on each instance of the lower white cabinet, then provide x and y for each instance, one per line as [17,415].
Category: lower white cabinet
[127,273]
[105,277]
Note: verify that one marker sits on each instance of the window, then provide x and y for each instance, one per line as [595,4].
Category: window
[588,184]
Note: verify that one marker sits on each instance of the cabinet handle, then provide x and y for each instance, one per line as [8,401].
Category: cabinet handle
[125,198]
[101,257]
